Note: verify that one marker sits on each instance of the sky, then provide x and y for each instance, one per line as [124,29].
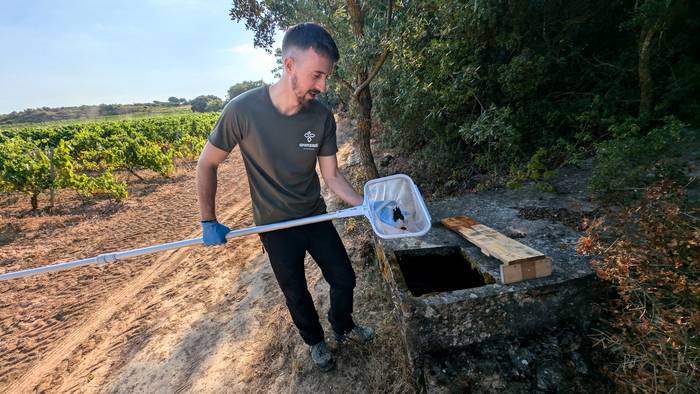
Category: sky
[65,53]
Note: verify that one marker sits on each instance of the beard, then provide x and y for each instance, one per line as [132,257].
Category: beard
[302,97]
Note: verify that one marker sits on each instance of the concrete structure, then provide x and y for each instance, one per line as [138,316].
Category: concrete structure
[444,304]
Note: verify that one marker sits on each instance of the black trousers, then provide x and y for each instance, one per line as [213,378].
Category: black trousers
[287,249]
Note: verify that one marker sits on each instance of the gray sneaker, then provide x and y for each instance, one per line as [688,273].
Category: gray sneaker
[322,356]
[360,334]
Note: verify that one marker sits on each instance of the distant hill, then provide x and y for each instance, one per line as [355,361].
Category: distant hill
[84,112]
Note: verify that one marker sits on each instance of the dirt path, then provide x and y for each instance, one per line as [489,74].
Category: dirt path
[190,320]
[48,319]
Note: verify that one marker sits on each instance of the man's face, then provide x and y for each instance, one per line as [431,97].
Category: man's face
[309,72]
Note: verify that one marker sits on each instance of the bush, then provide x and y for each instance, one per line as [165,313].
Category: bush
[242,87]
[441,169]
[207,103]
[632,160]
[493,139]
[650,252]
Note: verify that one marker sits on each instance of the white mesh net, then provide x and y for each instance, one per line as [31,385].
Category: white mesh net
[396,208]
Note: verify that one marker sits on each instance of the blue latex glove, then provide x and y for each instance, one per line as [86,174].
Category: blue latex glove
[214,233]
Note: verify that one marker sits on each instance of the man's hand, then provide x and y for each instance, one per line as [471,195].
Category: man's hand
[214,233]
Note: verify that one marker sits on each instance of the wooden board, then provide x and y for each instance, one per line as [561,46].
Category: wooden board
[491,242]
[527,270]
[520,262]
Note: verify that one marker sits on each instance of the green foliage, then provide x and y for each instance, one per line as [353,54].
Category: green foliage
[542,166]
[70,174]
[631,161]
[536,170]
[208,103]
[439,169]
[506,79]
[241,87]
[86,155]
[24,166]
[493,133]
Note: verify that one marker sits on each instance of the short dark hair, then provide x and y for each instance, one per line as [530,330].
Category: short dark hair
[310,35]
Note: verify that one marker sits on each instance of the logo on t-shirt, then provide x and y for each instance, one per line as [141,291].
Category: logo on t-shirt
[309,135]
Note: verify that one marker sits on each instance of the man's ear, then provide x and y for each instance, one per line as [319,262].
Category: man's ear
[288,64]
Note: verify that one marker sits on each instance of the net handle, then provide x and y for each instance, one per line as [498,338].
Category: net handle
[360,210]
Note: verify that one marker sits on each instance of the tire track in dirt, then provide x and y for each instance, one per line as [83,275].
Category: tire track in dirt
[40,310]
[54,357]
[171,302]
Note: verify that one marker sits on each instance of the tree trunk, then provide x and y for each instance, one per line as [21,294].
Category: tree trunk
[134,173]
[35,201]
[364,128]
[646,87]
[363,98]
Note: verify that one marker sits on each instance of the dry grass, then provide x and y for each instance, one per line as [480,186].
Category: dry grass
[649,250]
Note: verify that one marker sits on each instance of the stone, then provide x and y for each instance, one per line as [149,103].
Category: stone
[386,160]
[549,377]
[579,363]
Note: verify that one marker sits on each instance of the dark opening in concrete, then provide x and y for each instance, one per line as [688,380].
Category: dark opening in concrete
[439,269]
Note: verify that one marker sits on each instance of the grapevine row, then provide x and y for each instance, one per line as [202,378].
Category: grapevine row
[85,156]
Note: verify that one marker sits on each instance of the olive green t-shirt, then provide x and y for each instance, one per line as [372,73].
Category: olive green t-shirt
[279,153]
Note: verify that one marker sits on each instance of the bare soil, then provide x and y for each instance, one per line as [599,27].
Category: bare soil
[189,320]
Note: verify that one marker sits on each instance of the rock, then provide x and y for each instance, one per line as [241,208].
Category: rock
[353,158]
[386,160]
[522,358]
[579,363]
[492,383]
[569,341]
[549,377]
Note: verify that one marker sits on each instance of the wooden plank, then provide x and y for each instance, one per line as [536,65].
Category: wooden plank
[524,271]
[520,262]
[491,242]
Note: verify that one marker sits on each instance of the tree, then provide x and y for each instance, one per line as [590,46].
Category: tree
[651,19]
[173,100]
[208,103]
[362,32]
[241,87]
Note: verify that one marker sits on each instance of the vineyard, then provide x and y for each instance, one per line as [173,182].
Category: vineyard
[86,156]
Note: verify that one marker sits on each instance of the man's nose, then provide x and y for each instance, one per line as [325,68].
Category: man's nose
[321,84]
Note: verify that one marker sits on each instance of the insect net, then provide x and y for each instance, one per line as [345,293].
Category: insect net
[396,208]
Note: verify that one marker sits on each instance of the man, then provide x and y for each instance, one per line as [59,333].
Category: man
[282,131]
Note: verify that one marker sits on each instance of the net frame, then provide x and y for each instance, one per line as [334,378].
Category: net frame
[400,190]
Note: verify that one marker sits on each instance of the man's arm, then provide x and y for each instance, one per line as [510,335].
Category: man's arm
[337,182]
[207,165]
